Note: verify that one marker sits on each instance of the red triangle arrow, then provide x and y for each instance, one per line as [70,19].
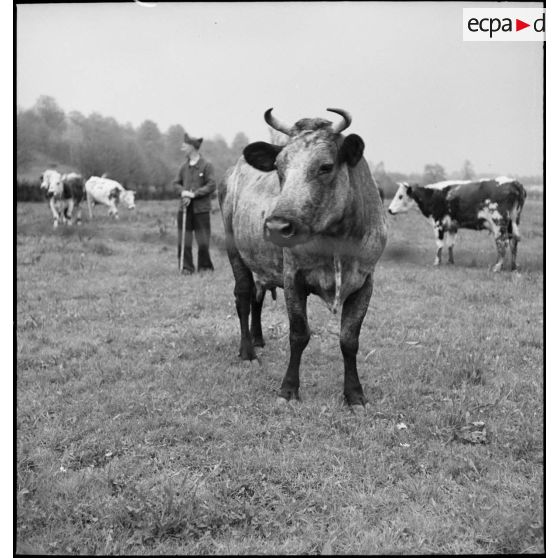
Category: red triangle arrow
[519,25]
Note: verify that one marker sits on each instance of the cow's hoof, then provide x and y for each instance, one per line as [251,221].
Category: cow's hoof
[288,394]
[451,262]
[356,400]
[258,342]
[247,354]
[436,263]
[497,268]
[358,409]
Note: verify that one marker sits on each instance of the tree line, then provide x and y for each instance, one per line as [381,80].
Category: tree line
[144,159]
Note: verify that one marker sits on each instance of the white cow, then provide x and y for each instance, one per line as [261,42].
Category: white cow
[51,181]
[108,192]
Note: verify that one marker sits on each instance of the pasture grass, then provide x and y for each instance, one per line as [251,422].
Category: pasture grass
[139,431]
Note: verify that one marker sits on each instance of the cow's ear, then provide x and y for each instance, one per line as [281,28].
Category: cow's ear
[262,155]
[351,150]
[408,189]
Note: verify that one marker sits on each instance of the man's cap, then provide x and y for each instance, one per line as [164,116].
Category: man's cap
[196,142]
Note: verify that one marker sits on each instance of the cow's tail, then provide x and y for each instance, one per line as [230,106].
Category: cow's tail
[515,214]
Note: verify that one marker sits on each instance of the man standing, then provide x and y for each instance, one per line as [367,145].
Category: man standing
[196,183]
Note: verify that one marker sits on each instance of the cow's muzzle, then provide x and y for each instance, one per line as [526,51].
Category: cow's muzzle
[284,232]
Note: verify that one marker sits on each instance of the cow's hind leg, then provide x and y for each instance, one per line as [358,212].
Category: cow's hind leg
[354,310]
[69,211]
[243,294]
[450,243]
[258,296]
[78,213]
[295,298]
[89,205]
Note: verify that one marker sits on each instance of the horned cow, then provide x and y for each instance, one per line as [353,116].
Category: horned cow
[307,217]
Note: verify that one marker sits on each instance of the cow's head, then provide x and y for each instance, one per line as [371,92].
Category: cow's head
[403,200]
[129,198]
[312,169]
[51,181]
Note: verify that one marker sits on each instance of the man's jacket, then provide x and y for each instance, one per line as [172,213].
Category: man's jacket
[200,179]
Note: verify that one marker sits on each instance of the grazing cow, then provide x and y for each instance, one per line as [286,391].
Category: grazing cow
[65,193]
[108,192]
[493,204]
[306,217]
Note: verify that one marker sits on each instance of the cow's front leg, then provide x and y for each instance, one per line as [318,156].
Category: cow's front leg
[299,334]
[354,310]
[113,210]
[501,247]
[439,236]
[54,211]
[514,239]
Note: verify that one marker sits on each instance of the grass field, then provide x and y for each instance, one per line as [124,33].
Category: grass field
[139,431]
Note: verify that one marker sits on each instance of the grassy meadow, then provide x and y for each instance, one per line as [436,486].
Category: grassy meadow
[139,431]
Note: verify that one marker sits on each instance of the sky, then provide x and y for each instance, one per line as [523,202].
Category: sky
[417,92]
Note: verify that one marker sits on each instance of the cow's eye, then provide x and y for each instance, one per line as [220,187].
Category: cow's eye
[400,196]
[325,168]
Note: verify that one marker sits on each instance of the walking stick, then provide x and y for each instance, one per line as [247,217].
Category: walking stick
[185,204]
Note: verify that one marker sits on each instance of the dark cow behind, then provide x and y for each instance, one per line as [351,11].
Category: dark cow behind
[73,193]
[305,216]
[487,204]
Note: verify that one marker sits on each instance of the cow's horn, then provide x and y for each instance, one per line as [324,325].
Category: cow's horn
[276,124]
[344,124]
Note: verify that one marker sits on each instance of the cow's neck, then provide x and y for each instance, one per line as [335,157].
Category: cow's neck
[421,197]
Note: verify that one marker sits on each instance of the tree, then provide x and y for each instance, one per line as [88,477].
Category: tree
[433,173]
[173,141]
[467,172]
[47,108]
[150,135]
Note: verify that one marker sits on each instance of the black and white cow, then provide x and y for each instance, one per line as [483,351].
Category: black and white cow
[493,204]
[65,193]
[73,193]
[102,190]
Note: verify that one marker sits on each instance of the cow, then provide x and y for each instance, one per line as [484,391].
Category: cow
[305,217]
[51,182]
[108,192]
[493,204]
[65,193]
[73,193]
